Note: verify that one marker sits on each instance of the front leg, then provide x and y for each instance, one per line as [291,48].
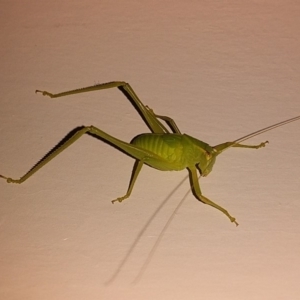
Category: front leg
[221,147]
[197,193]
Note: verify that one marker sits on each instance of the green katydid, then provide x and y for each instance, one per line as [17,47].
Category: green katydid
[160,149]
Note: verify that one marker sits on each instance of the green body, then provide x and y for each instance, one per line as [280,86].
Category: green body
[163,149]
[178,151]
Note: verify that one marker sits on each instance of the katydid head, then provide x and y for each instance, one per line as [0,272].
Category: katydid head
[201,155]
[205,165]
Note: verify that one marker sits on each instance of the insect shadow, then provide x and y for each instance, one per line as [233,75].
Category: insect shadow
[141,233]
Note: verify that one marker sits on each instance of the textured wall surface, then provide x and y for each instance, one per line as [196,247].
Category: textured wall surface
[221,69]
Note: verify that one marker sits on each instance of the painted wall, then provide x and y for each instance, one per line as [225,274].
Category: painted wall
[221,69]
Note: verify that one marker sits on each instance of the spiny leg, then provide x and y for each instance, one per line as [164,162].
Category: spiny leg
[48,158]
[129,149]
[152,122]
[197,192]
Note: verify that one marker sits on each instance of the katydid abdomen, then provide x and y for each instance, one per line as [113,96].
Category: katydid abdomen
[177,151]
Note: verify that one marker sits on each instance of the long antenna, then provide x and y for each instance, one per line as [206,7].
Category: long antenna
[258,132]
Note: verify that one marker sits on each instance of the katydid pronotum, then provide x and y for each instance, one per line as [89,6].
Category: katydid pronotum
[160,149]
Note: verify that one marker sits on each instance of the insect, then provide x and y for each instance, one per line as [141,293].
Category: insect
[160,149]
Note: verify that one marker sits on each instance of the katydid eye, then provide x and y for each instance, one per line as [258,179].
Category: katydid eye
[208,155]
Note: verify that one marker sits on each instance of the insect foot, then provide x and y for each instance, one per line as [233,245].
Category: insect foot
[263,144]
[120,199]
[9,180]
[44,93]
[234,221]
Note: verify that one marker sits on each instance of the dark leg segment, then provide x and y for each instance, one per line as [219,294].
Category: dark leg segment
[131,150]
[168,120]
